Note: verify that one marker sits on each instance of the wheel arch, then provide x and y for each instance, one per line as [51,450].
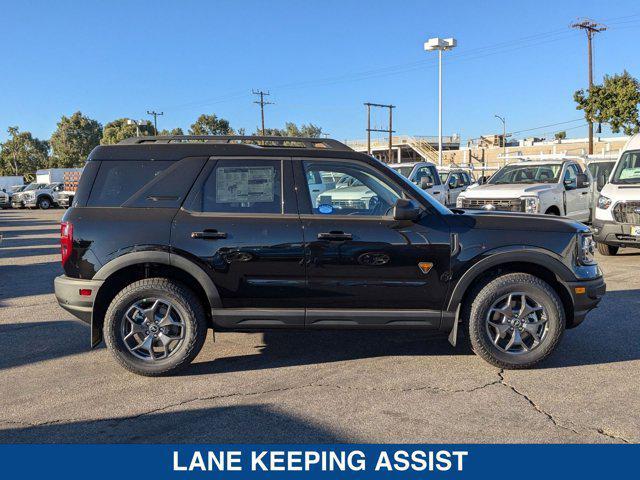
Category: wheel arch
[537,263]
[135,266]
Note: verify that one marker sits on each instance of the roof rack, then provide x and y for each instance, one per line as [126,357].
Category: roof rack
[256,141]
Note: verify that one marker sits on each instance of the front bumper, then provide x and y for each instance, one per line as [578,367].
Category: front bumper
[67,291]
[585,295]
[614,234]
[17,204]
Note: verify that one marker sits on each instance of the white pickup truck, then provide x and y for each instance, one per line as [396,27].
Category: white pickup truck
[617,214]
[554,186]
[425,175]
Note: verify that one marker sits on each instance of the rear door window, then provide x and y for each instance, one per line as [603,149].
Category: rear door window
[242,186]
[117,181]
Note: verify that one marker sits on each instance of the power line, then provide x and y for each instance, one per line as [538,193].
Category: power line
[547,126]
[262,103]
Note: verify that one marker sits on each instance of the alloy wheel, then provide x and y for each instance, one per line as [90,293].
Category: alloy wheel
[152,329]
[516,323]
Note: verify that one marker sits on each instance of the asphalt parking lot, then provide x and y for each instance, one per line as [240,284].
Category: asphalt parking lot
[302,387]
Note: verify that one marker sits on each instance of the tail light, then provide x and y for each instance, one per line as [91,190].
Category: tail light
[66,240]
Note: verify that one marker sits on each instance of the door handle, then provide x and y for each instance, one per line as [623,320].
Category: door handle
[336,236]
[584,193]
[208,235]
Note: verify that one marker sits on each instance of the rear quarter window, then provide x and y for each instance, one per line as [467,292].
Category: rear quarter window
[117,181]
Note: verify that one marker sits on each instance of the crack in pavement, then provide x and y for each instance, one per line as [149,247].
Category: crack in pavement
[551,418]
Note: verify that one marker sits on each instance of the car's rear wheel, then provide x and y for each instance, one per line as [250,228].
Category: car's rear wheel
[607,250]
[155,327]
[516,321]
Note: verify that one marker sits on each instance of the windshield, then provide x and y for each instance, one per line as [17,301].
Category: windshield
[34,186]
[628,168]
[404,171]
[17,188]
[518,174]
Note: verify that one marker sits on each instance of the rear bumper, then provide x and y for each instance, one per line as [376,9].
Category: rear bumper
[585,300]
[614,234]
[67,291]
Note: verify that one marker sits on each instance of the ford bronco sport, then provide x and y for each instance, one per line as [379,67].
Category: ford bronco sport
[168,237]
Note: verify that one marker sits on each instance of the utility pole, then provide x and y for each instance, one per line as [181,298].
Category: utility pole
[262,103]
[389,130]
[155,119]
[590,27]
[504,138]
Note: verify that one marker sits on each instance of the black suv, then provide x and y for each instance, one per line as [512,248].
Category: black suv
[170,236]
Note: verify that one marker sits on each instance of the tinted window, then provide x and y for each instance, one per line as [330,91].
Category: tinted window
[242,186]
[570,177]
[359,191]
[117,181]
[429,173]
[600,169]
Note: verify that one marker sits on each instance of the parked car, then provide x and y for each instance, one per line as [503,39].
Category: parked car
[42,198]
[9,181]
[17,199]
[170,237]
[555,186]
[5,200]
[425,175]
[617,213]
[455,180]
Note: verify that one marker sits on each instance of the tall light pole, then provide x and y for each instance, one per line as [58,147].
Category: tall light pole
[440,44]
[504,137]
[131,121]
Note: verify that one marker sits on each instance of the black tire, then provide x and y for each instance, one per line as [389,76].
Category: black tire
[607,250]
[189,308]
[44,203]
[533,287]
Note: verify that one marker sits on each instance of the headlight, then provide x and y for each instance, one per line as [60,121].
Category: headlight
[531,204]
[586,249]
[604,202]
[459,201]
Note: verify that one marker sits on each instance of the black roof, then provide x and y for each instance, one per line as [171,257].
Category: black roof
[176,147]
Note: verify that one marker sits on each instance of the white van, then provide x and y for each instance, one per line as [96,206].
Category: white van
[617,213]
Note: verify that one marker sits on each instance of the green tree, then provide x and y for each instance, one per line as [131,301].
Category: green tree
[74,139]
[292,130]
[615,102]
[173,131]
[22,153]
[561,135]
[119,129]
[210,125]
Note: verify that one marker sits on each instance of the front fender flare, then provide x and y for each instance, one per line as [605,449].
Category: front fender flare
[521,253]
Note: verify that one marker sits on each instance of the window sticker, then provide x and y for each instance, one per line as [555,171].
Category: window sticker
[245,184]
[325,208]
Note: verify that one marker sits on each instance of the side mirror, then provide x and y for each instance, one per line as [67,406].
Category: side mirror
[405,210]
[482,180]
[582,181]
[426,182]
[602,181]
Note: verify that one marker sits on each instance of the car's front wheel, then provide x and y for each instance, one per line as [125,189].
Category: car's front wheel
[515,321]
[155,326]
[44,203]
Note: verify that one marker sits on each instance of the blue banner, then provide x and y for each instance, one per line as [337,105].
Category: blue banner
[319,461]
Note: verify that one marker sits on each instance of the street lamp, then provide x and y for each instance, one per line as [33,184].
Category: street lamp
[440,44]
[504,137]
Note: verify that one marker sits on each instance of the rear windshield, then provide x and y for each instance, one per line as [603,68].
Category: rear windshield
[117,181]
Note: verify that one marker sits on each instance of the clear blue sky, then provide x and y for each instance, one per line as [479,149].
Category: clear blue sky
[320,59]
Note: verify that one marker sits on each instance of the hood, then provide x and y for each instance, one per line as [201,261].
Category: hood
[498,220]
[508,190]
[621,192]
